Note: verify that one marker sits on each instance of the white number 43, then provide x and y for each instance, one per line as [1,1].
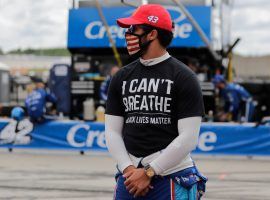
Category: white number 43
[153,19]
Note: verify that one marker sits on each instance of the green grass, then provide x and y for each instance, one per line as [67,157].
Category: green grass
[42,52]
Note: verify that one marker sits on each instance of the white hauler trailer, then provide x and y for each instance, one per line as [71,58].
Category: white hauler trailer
[220,19]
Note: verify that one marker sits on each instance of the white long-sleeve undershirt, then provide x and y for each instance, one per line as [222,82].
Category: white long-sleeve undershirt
[169,158]
[180,147]
[114,141]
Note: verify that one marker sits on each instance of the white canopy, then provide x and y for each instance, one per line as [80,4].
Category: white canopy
[4,67]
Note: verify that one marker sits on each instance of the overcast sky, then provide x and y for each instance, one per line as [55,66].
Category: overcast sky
[43,23]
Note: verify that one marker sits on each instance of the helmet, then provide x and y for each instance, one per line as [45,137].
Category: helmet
[218,78]
[17,113]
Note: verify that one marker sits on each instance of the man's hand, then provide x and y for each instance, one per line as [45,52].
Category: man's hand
[137,182]
[129,169]
[224,117]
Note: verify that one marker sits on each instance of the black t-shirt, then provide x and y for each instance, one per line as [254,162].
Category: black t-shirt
[152,99]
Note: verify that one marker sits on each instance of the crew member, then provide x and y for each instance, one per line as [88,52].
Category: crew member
[105,84]
[238,101]
[36,101]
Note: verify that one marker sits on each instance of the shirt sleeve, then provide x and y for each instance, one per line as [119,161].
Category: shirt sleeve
[51,97]
[189,97]
[244,93]
[180,147]
[229,98]
[114,141]
[114,104]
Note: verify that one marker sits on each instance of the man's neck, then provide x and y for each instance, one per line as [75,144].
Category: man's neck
[151,53]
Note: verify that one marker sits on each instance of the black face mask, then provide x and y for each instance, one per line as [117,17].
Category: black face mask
[135,46]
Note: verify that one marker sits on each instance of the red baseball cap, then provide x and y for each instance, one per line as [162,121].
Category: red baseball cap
[151,14]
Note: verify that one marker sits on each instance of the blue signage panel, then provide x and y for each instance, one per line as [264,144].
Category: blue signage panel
[214,138]
[85,28]
[53,135]
[234,139]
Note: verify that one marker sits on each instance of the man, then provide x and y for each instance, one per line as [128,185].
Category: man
[238,101]
[105,84]
[36,101]
[153,114]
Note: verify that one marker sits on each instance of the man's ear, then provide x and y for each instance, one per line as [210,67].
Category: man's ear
[153,35]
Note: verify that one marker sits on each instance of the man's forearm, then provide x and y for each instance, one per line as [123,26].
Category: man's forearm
[114,141]
[180,147]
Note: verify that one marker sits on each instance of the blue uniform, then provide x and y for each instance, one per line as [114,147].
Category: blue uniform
[237,99]
[186,184]
[104,88]
[36,103]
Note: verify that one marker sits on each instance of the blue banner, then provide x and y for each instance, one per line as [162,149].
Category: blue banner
[237,139]
[215,138]
[85,28]
[52,135]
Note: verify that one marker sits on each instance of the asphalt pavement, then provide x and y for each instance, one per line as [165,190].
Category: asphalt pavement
[67,175]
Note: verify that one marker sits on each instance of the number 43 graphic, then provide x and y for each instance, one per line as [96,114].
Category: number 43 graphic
[153,19]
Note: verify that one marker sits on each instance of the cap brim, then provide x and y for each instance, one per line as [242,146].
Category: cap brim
[127,22]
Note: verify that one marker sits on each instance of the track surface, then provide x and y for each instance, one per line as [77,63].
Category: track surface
[48,175]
